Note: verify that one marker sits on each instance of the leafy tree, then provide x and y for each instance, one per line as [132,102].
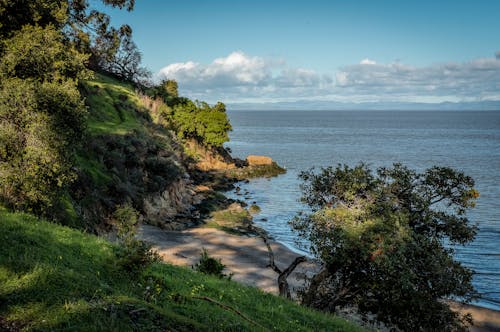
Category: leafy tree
[14,14]
[383,241]
[45,48]
[41,117]
[208,125]
[167,91]
[86,29]
[171,87]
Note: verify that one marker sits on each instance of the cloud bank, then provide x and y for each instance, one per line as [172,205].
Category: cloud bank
[243,78]
[239,77]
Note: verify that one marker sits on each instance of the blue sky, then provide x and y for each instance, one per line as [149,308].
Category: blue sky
[355,51]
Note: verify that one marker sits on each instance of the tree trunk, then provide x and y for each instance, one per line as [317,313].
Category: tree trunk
[310,295]
[284,288]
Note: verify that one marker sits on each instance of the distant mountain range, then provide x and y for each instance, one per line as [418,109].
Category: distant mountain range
[331,105]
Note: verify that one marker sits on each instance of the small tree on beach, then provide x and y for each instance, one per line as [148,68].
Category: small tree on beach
[383,241]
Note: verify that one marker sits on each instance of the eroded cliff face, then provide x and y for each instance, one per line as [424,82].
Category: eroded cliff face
[174,208]
[209,160]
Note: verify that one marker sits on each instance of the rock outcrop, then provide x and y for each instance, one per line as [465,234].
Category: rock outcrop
[208,160]
[259,160]
[174,208]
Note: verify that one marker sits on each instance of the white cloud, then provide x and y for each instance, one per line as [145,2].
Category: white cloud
[367,62]
[240,77]
[454,80]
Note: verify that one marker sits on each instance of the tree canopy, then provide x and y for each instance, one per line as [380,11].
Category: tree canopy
[384,240]
[207,124]
[46,47]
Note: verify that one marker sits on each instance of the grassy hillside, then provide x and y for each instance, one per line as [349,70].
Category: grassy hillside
[126,156]
[57,278]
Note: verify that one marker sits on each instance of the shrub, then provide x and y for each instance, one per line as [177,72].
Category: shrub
[210,265]
[42,118]
[133,254]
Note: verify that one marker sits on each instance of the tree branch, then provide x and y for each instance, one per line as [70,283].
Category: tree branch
[284,288]
[229,308]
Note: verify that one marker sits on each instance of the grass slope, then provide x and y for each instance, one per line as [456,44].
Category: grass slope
[113,111]
[125,157]
[57,278]
[112,106]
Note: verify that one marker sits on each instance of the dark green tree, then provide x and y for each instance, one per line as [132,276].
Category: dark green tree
[46,47]
[85,28]
[384,243]
[42,117]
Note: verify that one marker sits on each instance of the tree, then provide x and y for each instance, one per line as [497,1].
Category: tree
[208,125]
[87,30]
[45,49]
[383,242]
[170,87]
[125,62]
[42,117]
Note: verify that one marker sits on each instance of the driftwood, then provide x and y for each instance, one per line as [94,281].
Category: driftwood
[284,288]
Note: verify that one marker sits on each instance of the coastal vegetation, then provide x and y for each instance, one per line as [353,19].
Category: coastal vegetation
[88,141]
[385,243]
[55,278]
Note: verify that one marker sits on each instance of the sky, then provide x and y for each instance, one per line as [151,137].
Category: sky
[340,51]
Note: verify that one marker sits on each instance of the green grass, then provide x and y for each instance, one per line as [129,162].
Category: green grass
[114,110]
[113,106]
[57,278]
[233,220]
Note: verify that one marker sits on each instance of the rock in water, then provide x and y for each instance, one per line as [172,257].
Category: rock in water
[259,160]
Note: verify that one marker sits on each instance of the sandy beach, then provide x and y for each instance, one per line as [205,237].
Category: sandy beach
[247,258]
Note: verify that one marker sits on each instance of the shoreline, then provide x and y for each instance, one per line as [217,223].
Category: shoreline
[247,258]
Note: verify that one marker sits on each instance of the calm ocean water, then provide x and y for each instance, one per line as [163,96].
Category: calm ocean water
[299,140]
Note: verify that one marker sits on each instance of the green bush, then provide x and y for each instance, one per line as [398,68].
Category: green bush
[133,254]
[211,266]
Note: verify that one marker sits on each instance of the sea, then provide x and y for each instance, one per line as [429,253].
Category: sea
[468,141]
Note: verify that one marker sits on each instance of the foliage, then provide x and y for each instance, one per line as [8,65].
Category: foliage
[54,278]
[15,14]
[383,241]
[42,118]
[133,254]
[126,218]
[85,29]
[171,87]
[125,61]
[111,48]
[210,265]
[168,90]
[45,49]
[208,125]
